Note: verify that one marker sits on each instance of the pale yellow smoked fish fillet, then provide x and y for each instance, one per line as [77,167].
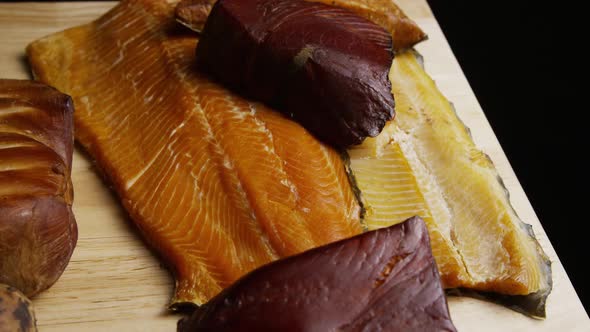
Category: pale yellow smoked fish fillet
[217,185]
[425,163]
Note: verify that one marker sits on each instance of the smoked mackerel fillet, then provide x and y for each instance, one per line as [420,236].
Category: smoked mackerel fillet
[217,185]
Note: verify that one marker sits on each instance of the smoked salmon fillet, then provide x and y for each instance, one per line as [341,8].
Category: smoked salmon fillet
[425,163]
[217,185]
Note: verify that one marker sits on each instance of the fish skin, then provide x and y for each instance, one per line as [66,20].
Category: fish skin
[383,280]
[212,181]
[431,167]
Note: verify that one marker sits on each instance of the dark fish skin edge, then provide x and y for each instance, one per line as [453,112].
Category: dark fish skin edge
[324,66]
[383,280]
[532,305]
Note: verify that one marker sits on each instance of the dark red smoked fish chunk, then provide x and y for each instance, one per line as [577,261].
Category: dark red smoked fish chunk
[384,280]
[322,65]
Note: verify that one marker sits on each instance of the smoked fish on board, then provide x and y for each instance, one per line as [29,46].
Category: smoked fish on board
[217,185]
[425,163]
[382,280]
[320,65]
[38,230]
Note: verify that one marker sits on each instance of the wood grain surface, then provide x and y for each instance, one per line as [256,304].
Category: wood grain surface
[114,283]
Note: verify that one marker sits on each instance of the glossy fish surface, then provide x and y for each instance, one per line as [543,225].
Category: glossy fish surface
[216,184]
[382,280]
[38,230]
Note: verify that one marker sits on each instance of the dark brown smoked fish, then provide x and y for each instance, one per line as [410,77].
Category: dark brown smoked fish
[217,184]
[324,66]
[384,280]
[38,230]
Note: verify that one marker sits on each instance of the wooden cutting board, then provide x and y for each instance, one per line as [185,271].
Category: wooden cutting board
[114,283]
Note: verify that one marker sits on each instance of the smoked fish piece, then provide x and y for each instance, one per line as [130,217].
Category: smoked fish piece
[321,65]
[16,311]
[385,13]
[38,231]
[425,163]
[383,280]
[193,13]
[216,184]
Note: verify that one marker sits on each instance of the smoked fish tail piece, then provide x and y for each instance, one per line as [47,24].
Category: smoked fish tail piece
[425,163]
[216,184]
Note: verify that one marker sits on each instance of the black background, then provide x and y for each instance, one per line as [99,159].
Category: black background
[524,63]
